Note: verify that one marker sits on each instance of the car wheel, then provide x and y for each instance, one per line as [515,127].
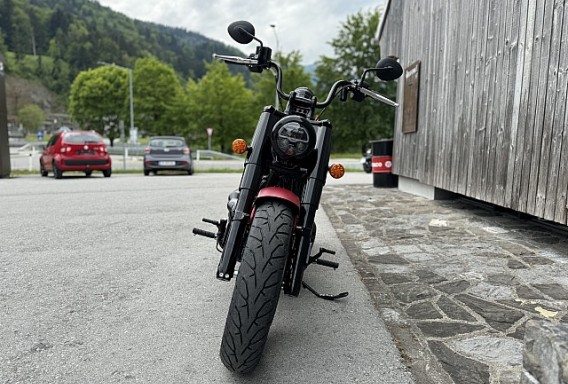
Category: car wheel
[57,173]
[42,169]
[107,172]
[146,172]
[190,172]
[88,173]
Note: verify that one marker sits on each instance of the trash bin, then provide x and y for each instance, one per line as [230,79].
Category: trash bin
[382,164]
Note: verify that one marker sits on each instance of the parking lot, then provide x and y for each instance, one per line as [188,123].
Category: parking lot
[102,281]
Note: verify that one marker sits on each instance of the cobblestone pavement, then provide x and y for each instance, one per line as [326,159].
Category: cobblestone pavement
[454,281]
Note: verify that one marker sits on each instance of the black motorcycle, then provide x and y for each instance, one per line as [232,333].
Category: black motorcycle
[270,227]
[367,161]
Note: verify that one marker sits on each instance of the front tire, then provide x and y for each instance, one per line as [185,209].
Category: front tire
[257,286]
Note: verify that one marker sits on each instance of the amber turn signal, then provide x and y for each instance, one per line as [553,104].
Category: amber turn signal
[337,171]
[239,146]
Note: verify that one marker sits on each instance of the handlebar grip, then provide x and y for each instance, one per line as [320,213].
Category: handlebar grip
[327,263]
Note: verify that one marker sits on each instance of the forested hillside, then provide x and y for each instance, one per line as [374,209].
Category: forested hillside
[51,41]
[63,45]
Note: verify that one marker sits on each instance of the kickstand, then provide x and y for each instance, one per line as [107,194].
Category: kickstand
[324,296]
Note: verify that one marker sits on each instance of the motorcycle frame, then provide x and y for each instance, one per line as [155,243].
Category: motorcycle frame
[249,188]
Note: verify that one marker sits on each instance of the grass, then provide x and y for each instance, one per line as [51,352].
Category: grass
[347,155]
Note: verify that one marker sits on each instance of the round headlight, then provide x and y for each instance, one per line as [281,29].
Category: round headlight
[293,137]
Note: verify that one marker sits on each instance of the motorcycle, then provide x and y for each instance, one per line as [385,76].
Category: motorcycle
[367,162]
[270,229]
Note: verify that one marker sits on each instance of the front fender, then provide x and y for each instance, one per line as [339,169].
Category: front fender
[281,194]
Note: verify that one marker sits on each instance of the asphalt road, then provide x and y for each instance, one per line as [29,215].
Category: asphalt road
[101,281]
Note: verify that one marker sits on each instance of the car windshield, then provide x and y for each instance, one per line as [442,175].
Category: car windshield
[82,137]
[167,143]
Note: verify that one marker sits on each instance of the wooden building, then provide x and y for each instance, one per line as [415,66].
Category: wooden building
[484,105]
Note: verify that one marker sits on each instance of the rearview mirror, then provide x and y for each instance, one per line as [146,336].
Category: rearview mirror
[388,69]
[241,31]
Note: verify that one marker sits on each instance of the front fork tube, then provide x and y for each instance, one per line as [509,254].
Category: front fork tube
[248,188]
[310,204]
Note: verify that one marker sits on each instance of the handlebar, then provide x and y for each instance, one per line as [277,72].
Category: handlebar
[236,60]
[353,86]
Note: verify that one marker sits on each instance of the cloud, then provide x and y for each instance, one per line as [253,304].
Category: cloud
[307,25]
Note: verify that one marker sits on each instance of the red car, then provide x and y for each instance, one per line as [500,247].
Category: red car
[82,151]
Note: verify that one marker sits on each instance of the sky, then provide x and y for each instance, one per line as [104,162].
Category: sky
[304,25]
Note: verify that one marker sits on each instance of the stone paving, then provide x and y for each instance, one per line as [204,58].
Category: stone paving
[455,282]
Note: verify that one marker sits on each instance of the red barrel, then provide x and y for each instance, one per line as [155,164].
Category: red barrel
[382,164]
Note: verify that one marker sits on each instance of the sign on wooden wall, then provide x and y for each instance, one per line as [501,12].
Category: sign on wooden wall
[411,91]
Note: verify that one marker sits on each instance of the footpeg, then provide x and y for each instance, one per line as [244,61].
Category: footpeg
[316,259]
[201,232]
[221,225]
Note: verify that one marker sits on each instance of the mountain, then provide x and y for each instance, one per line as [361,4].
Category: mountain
[51,41]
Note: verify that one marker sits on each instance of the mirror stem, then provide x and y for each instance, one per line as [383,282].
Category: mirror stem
[252,36]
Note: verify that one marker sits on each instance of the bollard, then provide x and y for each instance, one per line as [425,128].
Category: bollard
[382,164]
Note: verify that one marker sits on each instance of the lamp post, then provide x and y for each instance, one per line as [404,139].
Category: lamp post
[131,98]
[273,26]
[276,98]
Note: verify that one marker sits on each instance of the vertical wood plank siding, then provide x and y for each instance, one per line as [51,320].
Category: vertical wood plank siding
[493,99]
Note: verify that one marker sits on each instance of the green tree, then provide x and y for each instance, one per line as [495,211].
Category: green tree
[31,117]
[221,101]
[294,76]
[355,124]
[22,30]
[98,100]
[156,90]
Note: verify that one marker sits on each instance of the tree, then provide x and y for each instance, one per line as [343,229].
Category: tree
[221,101]
[355,124]
[294,76]
[22,33]
[31,117]
[156,89]
[98,100]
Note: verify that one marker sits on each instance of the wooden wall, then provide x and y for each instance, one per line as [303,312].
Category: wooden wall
[492,104]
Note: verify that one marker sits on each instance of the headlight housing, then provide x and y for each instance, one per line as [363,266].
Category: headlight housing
[293,137]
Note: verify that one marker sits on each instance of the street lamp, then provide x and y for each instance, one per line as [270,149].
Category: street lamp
[276,98]
[273,26]
[130,91]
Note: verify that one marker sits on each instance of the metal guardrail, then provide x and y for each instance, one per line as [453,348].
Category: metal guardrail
[130,150]
[209,154]
[199,154]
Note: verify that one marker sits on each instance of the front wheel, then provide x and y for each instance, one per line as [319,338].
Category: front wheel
[257,286]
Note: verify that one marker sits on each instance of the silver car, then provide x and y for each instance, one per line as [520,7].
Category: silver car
[167,153]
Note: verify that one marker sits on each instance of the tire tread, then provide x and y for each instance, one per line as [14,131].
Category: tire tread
[257,287]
